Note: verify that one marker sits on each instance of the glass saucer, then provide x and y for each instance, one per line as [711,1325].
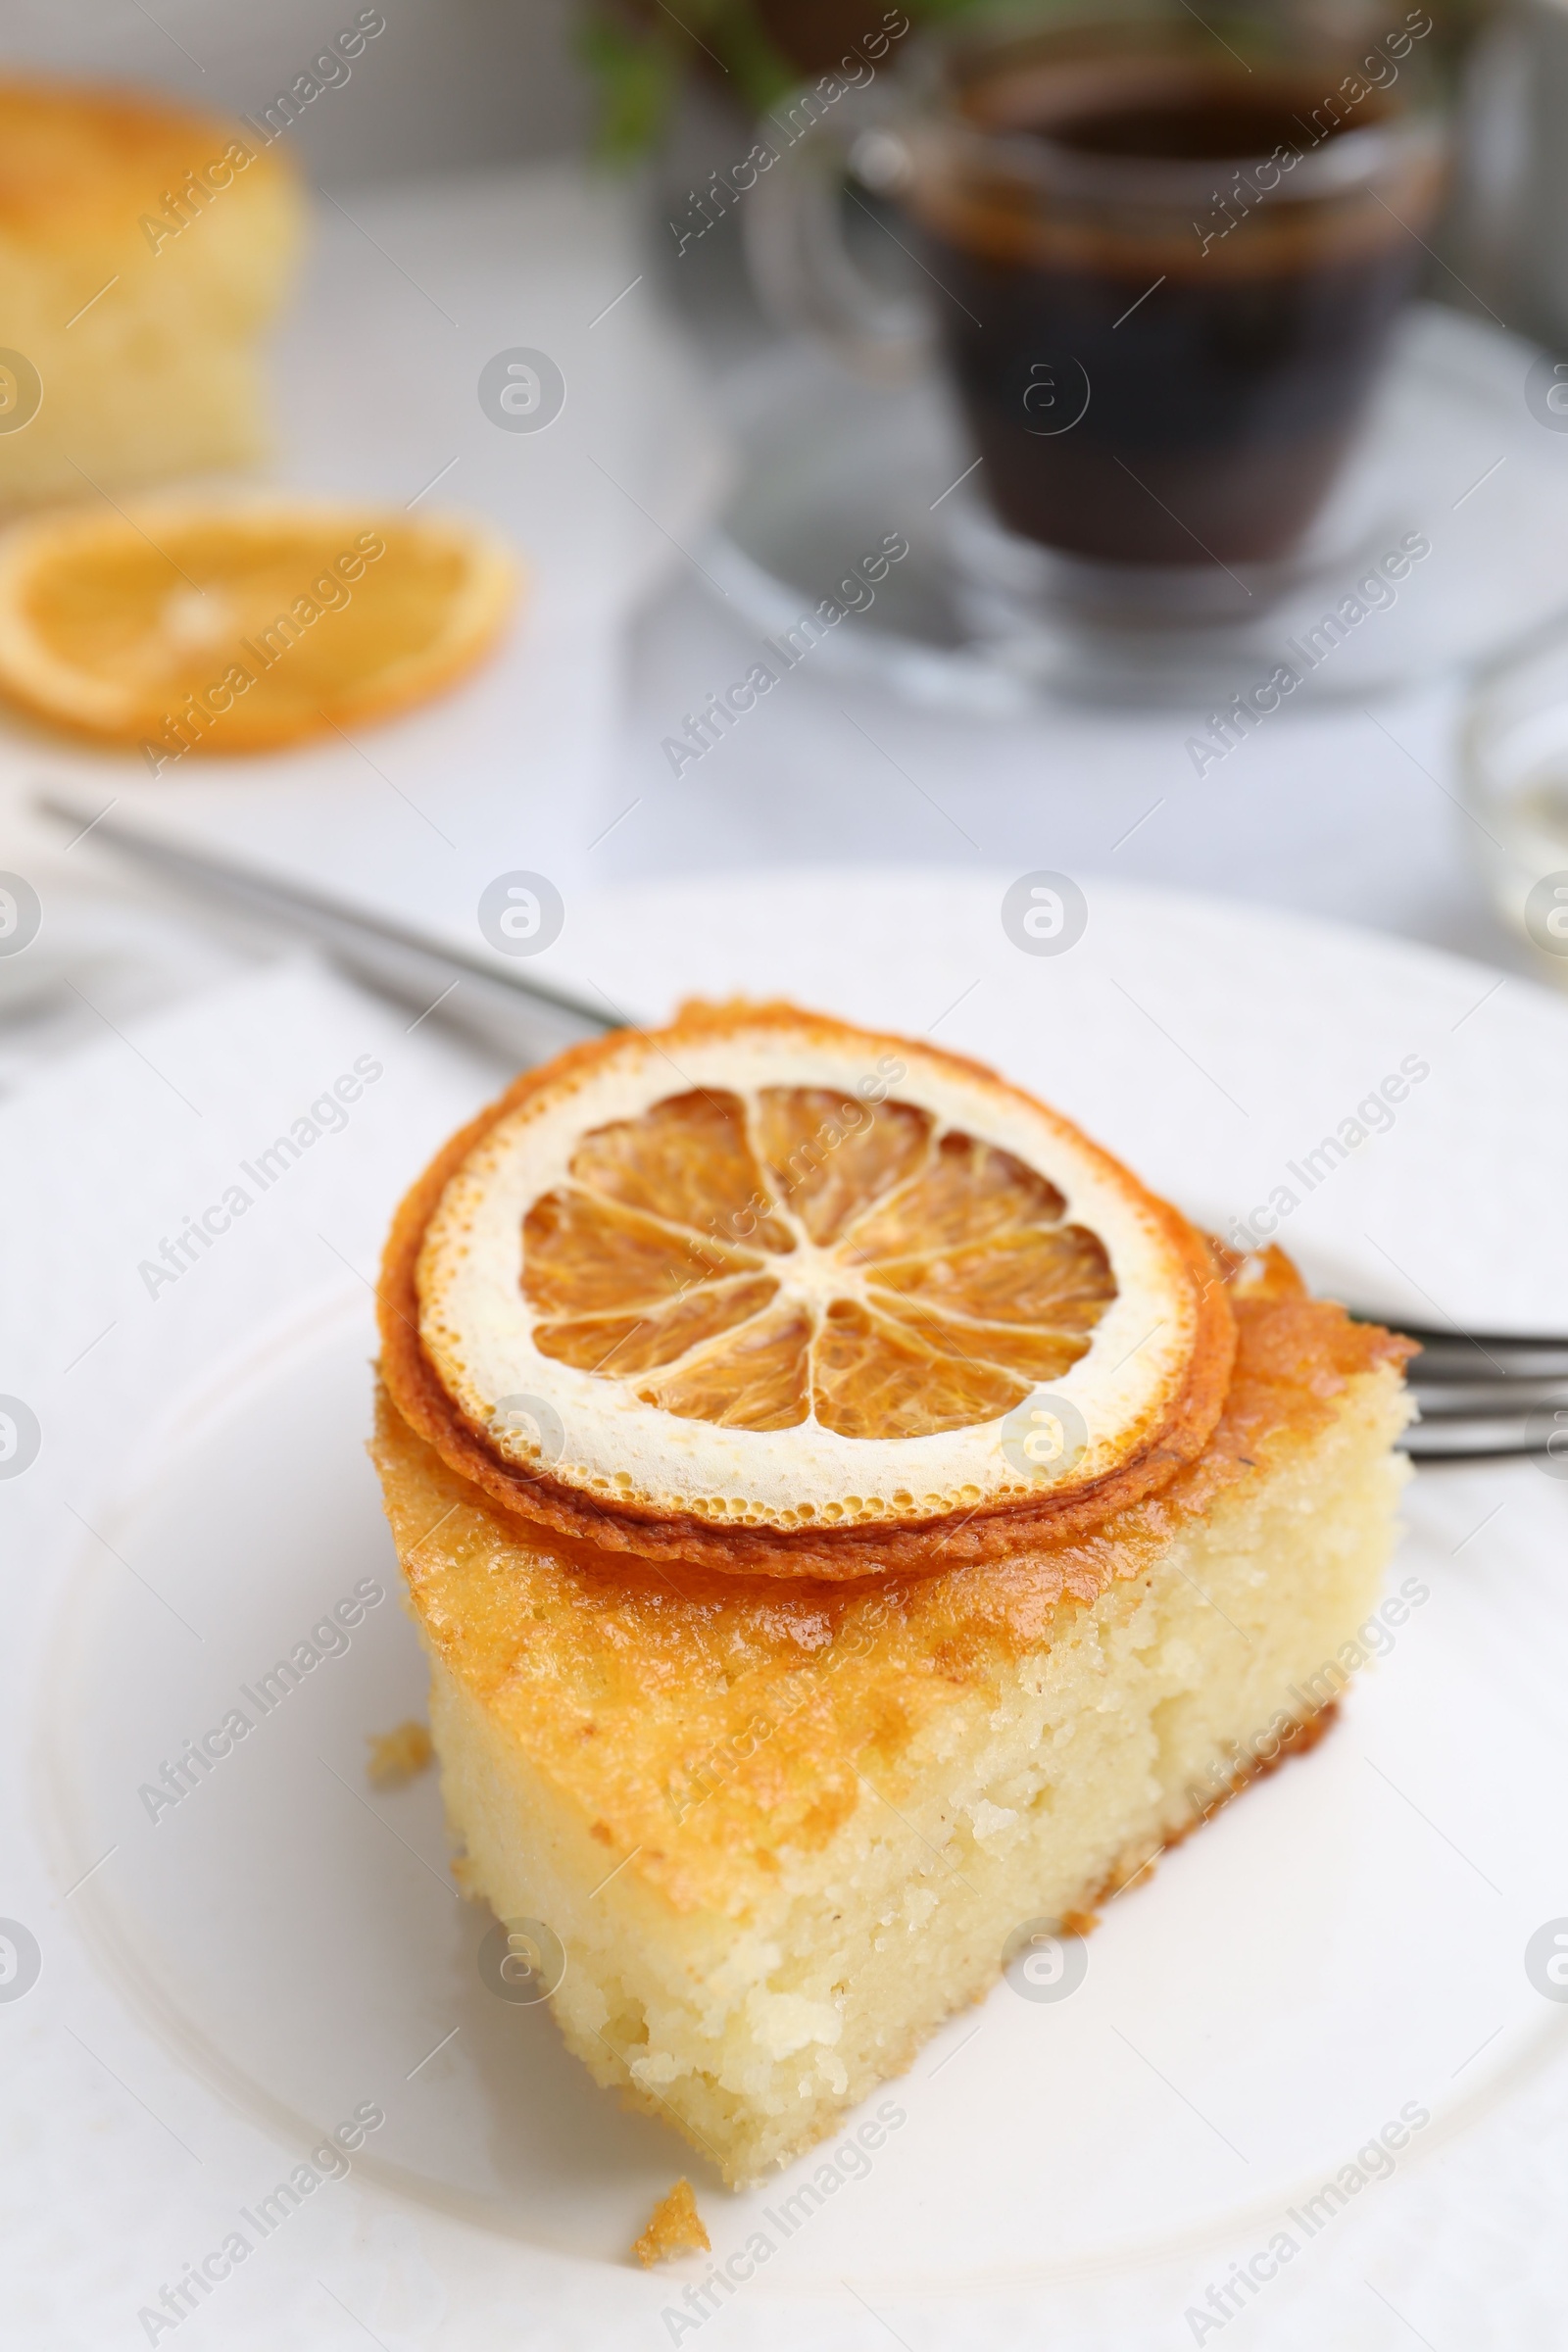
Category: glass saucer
[1446,540]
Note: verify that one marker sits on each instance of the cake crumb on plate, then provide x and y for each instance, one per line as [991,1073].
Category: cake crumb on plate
[399,1755]
[675,2227]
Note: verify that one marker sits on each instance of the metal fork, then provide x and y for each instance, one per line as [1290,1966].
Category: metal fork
[1486,1395]
[522,1014]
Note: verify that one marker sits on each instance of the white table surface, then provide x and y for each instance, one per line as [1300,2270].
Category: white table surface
[1341,812]
[1334,812]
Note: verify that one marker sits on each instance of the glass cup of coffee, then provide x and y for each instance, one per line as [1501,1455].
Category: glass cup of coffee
[1161,264]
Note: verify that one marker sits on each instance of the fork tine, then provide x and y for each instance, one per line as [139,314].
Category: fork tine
[1475,1440]
[1486,1400]
[1455,1354]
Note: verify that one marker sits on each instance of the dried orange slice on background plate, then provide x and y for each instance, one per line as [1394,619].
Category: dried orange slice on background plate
[768,1293]
[200,628]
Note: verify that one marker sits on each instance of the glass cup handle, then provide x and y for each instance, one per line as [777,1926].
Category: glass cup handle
[805,274]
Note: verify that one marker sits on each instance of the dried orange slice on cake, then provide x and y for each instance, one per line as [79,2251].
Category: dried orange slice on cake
[189,629]
[774,1295]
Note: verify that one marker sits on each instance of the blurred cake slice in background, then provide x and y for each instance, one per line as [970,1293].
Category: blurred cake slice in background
[143,252]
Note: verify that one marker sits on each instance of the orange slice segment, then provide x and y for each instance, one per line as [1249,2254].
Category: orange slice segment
[688,1159]
[588,1256]
[757,1378]
[829,1159]
[617,1346]
[966,1193]
[1031,1278]
[878,1378]
[946,1335]
[213,629]
[804,1292]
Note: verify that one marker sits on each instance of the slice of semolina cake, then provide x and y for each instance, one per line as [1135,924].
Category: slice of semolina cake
[783,1827]
[144,251]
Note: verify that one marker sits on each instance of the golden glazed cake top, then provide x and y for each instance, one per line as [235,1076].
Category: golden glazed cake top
[781,1295]
[78,164]
[712,1722]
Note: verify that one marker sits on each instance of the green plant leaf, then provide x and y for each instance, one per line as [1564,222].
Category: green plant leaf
[637,75]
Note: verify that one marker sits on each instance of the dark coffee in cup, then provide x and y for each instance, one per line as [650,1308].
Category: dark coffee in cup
[1167,283]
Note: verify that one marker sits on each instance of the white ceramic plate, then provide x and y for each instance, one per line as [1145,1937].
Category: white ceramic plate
[1344,1943]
